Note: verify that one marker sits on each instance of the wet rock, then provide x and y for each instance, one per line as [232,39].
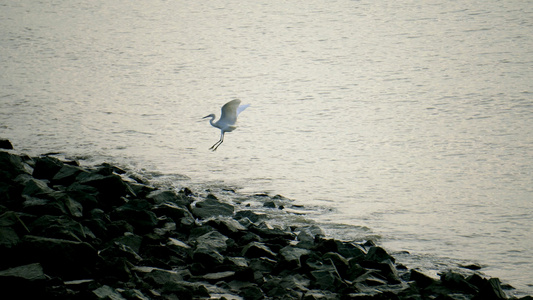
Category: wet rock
[136,212]
[8,237]
[107,292]
[35,187]
[386,269]
[5,144]
[458,282]
[110,187]
[491,289]
[46,167]
[421,279]
[11,166]
[212,208]
[31,272]
[60,257]
[61,227]
[161,196]
[185,290]
[33,205]
[338,261]
[291,256]
[350,250]
[87,196]
[215,277]
[67,174]
[181,216]
[226,225]
[327,279]
[254,217]
[130,240]
[378,254]
[256,250]
[23,282]
[252,292]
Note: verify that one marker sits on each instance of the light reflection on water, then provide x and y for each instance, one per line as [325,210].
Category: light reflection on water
[412,120]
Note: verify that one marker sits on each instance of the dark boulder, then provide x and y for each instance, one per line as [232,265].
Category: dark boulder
[8,238]
[290,256]
[31,272]
[68,259]
[33,205]
[181,215]
[252,292]
[87,196]
[458,282]
[23,282]
[212,208]
[136,212]
[46,167]
[34,187]
[490,289]
[67,175]
[110,187]
[5,144]
[61,227]
[165,196]
[185,290]
[378,254]
[421,279]
[256,250]
[254,217]
[106,292]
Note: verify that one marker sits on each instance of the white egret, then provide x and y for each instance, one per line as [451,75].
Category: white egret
[227,120]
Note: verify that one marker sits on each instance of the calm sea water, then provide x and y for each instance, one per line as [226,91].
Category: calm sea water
[407,122]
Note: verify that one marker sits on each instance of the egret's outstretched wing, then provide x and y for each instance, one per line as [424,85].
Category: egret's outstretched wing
[241,108]
[229,112]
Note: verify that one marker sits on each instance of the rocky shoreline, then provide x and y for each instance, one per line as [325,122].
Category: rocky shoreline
[71,232]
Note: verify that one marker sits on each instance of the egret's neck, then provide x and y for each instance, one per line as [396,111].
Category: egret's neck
[211,120]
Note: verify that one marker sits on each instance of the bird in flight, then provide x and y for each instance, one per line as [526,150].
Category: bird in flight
[227,120]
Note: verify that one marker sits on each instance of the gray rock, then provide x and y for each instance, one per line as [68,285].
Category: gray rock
[212,208]
[33,205]
[67,174]
[251,215]
[131,240]
[29,272]
[35,187]
[252,292]
[68,259]
[181,215]
[212,240]
[159,277]
[137,212]
[491,290]
[421,279]
[185,290]
[326,279]
[256,250]
[457,282]
[162,196]
[11,166]
[111,187]
[46,167]
[378,254]
[107,292]
[291,255]
[5,144]
[61,227]
[8,237]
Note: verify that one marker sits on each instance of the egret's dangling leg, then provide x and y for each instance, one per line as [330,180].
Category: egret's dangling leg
[215,146]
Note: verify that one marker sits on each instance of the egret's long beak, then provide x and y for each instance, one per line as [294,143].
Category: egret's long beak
[205,117]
